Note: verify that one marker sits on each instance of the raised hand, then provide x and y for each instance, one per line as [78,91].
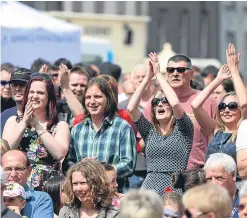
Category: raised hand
[43,69]
[28,113]
[64,76]
[224,73]
[155,62]
[232,58]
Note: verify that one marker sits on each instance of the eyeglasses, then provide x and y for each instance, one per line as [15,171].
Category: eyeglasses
[178,69]
[155,102]
[8,170]
[241,207]
[232,106]
[43,75]
[55,75]
[5,83]
[18,83]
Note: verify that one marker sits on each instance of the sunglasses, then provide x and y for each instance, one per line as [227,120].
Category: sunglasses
[43,75]
[5,83]
[55,75]
[241,207]
[18,83]
[232,106]
[155,102]
[178,69]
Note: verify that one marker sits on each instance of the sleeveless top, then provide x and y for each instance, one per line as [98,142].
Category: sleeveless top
[222,143]
[43,164]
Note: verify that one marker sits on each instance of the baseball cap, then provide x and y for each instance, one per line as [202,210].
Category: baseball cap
[21,74]
[14,190]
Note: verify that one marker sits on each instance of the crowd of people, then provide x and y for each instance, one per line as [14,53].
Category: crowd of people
[86,141]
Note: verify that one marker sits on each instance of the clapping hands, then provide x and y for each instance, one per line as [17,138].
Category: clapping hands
[232,58]
[224,73]
[64,76]
[154,65]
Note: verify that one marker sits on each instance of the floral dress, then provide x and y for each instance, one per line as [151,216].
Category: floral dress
[44,166]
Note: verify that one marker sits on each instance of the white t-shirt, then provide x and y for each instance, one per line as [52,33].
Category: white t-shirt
[241,142]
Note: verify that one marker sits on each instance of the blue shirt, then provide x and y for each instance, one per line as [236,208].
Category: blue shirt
[38,204]
[114,143]
[6,115]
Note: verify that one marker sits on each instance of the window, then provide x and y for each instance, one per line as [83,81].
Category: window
[139,7]
[99,7]
[53,5]
[204,34]
[184,32]
[162,27]
[77,6]
[230,38]
[231,6]
[121,7]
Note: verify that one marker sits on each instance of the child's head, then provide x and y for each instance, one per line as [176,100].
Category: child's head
[14,195]
[4,146]
[111,174]
[173,206]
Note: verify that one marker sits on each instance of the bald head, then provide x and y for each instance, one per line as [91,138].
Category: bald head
[17,160]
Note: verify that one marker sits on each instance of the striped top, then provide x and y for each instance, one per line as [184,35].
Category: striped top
[114,143]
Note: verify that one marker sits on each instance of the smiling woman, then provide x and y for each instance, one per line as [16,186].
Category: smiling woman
[88,192]
[38,132]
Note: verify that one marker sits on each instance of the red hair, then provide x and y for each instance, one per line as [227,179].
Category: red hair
[51,108]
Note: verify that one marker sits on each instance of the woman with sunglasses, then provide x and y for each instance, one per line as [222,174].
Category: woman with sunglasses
[168,139]
[38,132]
[231,109]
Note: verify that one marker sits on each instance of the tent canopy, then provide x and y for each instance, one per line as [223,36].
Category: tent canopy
[28,34]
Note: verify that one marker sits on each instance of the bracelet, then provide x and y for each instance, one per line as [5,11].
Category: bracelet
[42,133]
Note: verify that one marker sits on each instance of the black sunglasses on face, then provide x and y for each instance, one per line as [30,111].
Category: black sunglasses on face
[18,83]
[178,69]
[155,102]
[5,82]
[232,106]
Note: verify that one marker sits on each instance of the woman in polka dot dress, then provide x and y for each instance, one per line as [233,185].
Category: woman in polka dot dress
[168,139]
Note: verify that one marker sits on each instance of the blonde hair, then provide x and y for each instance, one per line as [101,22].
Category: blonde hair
[221,123]
[174,198]
[208,198]
[156,122]
[97,181]
[4,146]
[141,204]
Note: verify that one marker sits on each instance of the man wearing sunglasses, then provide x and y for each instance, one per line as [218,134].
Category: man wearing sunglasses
[179,75]
[17,83]
[6,100]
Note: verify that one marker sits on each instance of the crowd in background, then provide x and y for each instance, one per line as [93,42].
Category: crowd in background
[76,139]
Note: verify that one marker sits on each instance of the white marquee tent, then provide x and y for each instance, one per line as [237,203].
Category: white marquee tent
[28,34]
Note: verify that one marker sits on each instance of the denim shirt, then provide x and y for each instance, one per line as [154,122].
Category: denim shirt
[235,204]
[38,204]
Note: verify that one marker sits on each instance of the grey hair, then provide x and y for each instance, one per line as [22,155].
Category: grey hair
[180,57]
[221,160]
[141,204]
[138,67]
[243,190]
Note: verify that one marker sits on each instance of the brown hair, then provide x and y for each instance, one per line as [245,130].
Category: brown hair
[188,179]
[220,122]
[174,198]
[156,122]
[97,182]
[4,146]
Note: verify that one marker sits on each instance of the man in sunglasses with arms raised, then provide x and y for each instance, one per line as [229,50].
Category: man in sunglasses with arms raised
[179,75]
[18,81]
